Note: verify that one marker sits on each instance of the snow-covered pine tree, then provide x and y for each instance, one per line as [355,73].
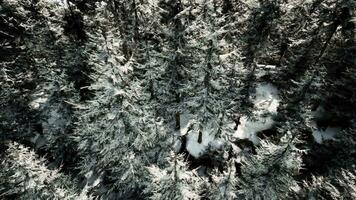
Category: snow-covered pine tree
[335,179]
[117,130]
[185,99]
[24,175]
[271,171]
[337,185]
[174,59]
[206,80]
[41,90]
[224,185]
[175,181]
[308,106]
[108,118]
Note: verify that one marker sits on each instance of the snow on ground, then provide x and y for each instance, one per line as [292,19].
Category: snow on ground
[266,101]
[195,148]
[248,128]
[323,135]
[266,98]
[186,120]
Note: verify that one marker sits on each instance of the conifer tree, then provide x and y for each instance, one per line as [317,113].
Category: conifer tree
[271,171]
[118,123]
[173,182]
[177,99]
[25,176]
[38,80]
[224,185]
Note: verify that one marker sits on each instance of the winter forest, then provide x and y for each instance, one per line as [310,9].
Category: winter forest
[177,99]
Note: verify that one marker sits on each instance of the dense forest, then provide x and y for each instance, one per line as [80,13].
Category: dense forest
[177,99]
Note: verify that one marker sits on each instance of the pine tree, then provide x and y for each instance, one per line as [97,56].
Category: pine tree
[117,125]
[177,99]
[271,171]
[224,185]
[340,184]
[38,109]
[174,181]
[25,176]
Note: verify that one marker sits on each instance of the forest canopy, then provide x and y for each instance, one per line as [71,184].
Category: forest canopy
[177,99]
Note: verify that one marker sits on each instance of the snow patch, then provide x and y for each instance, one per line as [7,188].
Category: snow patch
[177,145]
[208,139]
[266,98]
[195,148]
[248,128]
[186,120]
[323,135]
[266,101]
